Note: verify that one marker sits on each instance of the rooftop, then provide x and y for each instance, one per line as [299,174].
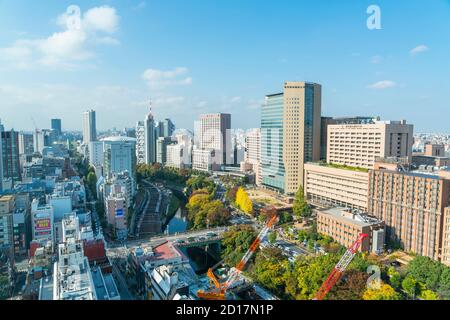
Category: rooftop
[164,251]
[340,166]
[355,216]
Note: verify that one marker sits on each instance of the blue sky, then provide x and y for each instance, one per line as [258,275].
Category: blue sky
[197,56]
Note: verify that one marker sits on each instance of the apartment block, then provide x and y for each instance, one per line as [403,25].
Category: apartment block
[359,145]
[337,186]
[413,205]
[7,207]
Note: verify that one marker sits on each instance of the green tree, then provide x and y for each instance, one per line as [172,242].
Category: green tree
[444,283]
[91,181]
[395,278]
[384,292]
[309,273]
[428,295]
[272,237]
[425,270]
[350,287]
[269,269]
[409,284]
[301,207]
[236,242]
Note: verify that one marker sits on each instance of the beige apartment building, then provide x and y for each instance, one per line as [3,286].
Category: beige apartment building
[330,185]
[7,207]
[301,130]
[414,206]
[345,226]
[359,145]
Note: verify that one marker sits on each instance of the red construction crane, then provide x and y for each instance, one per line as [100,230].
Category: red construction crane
[339,269]
[220,290]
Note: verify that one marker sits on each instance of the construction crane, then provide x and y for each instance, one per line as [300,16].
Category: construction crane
[340,267]
[220,289]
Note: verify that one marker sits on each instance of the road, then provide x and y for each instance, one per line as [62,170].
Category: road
[172,238]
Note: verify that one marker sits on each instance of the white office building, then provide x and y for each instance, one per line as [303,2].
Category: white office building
[89,126]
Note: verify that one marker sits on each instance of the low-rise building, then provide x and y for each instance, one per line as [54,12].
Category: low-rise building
[345,225]
[168,284]
[143,260]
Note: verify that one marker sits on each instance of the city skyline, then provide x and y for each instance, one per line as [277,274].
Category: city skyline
[370,73]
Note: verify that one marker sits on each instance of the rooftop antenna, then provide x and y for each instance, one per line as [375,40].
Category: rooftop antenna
[150,102]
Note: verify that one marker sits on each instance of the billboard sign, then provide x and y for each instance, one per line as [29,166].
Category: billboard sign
[42,225]
[119,213]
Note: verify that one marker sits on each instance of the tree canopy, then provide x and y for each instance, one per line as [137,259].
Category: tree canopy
[301,207]
[384,292]
[243,201]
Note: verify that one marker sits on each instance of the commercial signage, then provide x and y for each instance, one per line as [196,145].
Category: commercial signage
[42,225]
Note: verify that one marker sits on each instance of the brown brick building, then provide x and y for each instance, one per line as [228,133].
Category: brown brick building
[413,206]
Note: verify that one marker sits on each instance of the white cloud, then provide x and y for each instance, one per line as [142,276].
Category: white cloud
[101,19]
[67,47]
[385,84]
[419,49]
[158,79]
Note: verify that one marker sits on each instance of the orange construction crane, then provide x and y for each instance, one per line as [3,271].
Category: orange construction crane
[220,289]
[340,267]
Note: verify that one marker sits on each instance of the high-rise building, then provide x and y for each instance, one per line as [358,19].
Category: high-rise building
[301,134]
[10,155]
[213,137]
[26,143]
[56,126]
[272,165]
[140,142]
[7,207]
[96,153]
[89,126]
[358,145]
[179,155]
[290,135]
[413,204]
[119,155]
[161,149]
[150,138]
[1,157]
[169,128]
[252,158]
[38,141]
[165,128]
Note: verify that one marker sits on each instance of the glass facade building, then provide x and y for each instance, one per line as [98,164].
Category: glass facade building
[272,166]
